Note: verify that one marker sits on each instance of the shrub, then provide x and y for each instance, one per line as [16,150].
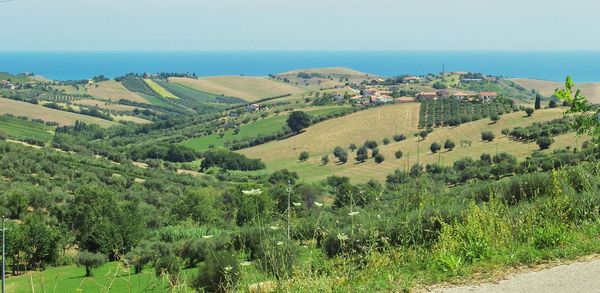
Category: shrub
[219,273]
[449,145]
[399,137]
[303,156]
[379,158]
[362,154]
[168,266]
[487,136]
[495,118]
[370,144]
[423,134]
[529,111]
[435,147]
[552,104]
[193,251]
[90,261]
[398,155]
[325,159]
[374,152]
[544,142]
[352,147]
[277,257]
[505,131]
[386,141]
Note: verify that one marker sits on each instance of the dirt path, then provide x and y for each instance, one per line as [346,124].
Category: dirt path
[572,278]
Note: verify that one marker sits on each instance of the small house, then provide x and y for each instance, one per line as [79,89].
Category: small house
[358,99]
[252,107]
[428,95]
[384,99]
[463,96]
[488,96]
[411,79]
[369,92]
[338,97]
[405,99]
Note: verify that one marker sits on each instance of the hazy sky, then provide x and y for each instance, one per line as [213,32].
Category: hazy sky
[299,25]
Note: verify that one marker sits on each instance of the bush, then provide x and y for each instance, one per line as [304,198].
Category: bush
[529,111]
[544,142]
[399,137]
[435,147]
[379,158]
[449,145]
[325,159]
[169,266]
[370,144]
[374,152]
[277,257]
[90,261]
[398,155]
[552,104]
[495,118]
[219,273]
[303,156]
[487,136]
[386,141]
[352,147]
[362,154]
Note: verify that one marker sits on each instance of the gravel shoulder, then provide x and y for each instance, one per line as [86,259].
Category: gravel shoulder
[575,277]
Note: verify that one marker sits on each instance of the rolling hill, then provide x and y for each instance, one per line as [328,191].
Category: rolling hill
[247,88]
[546,88]
[378,123]
[114,91]
[327,70]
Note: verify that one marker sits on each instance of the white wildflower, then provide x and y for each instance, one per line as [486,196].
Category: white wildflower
[274,228]
[342,237]
[227,269]
[318,204]
[207,236]
[245,263]
[279,243]
[352,214]
[297,204]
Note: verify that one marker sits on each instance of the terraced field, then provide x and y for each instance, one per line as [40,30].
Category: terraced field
[378,123]
[160,90]
[247,88]
[20,129]
[266,126]
[112,90]
[19,108]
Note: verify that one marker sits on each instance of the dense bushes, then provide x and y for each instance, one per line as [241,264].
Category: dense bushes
[229,161]
[453,112]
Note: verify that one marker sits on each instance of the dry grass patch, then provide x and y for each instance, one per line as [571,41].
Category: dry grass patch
[19,108]
[129,118]
[546,88]
[243,87]
[105,105]
[112,90]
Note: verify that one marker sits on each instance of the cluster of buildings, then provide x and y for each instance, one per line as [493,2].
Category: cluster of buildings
[442,94]
[379,96]
[6,84]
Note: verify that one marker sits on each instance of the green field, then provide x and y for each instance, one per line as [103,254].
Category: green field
[186,92]
[14,78]
[266,126]
[20,129]
[160,90]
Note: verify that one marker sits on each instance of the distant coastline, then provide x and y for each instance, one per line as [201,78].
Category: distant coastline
[584,66]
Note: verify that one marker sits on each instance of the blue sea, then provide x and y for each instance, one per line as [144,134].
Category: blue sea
[582,66]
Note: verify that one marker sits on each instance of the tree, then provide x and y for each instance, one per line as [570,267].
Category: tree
[374,152]
[449,145]
[487,136]
[529,111]
[386,141]
[362,154]
[552,104]
[495,118]
[340,154]
[398,155]
[586,120]
[90,261]
[505,131]
[370,144]
[544,142]
[416,170]
[538,101]
[399,137]
[423,134]
[325,159]
[298,120]
[435,147]
[379,158]
[352,147]
[303,156]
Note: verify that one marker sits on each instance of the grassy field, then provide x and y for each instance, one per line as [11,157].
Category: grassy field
[160,90]
[247,88]
[266,126]
[112,90]
[19,108]
[14,78]
[546,88]
[19,129]
[129,118]
[381,122]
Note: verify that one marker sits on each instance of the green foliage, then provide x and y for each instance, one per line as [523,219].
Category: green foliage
[374,152]
[586,121]
[529,111]
[398,154]
[303,156]
[386,141]
[399,137]
[229,161]
[487,136]
[168,266]
[90,261]
[435,147]
[298,120]
[544,142]
[362,154]
[325,160]
[379,158]
[219,273]
[449,145]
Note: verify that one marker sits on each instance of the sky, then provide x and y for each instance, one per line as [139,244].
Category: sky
[318,25]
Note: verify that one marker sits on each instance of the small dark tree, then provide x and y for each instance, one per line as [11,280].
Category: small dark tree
[398,155]
[423,134]
[298,120]
[552,104]
[374,152]
[370,144]
[362,154]
[399,137]
[303,156]
[487,136]
[544,142]
[386,141]
[449,145]
[325,159]
[529,111]
[352,147]
[495,118]
[435,147]
[379,158]
[538,101]
[90,261]
[505,131]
